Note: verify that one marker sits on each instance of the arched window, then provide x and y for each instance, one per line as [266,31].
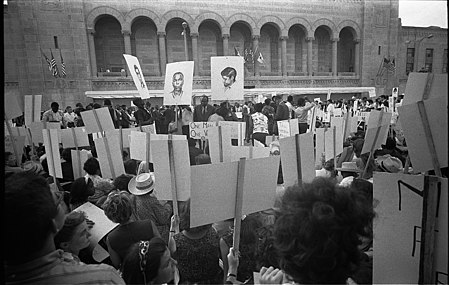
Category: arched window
[270,48]
[144,45]
[323,46]
[296,51]
[109,45]
[175,41]
[345,51]
[210,43]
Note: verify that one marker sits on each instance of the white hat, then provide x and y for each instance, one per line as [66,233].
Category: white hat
[349,166]
[141,184]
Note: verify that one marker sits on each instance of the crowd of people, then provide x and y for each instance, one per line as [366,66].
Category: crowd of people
[318,232]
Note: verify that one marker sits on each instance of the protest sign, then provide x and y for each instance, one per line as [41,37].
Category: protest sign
[199,130]
[320,146]
[377,132]
[227,78]
[364,116]
[79,157]
[36,132]
[312,121]
[137,75]
[54,126]
[178,83]
[33,106]
[270,139]
[297,157]
[349,125]
[139,146]
[52,151]
[162,169]
[214,187]
[338,123]
[102,226]
[111,164]
[18,131]
[74,137]
[237,130]
[248,152]
[12,107]
[220,144]
[97,120]
[400,212]
[417,133]
[337,112]
[288,128]
[326,117]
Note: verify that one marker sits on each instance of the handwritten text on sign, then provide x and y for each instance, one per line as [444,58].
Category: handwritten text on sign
[198,130]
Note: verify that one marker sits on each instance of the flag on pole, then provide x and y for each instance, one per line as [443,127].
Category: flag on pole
[47,60]
[63,73]
[389,65]
[260,58]
[236,52]
[54,67]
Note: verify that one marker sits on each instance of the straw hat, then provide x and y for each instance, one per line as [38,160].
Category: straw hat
[141,184]
[389,163]
[349,166]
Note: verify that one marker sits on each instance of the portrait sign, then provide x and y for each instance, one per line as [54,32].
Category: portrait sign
[137,74]
[178,83]
[227,78]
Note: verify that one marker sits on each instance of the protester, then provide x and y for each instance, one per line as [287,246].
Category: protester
[348,170]
[202,112]
[193,151]
[269,112]
[282,113]
[317,234]
[148,206]
[149,262]
[301,112]
[186,119]
[291,108]
[101,186]
[115,114]
[142,116]
[197,251]
[69,117]
[54,115]
[11,164]
[80,191]
[33,216]
[74,235]
[258,124]
[248,249]
[219,114]
[119,209]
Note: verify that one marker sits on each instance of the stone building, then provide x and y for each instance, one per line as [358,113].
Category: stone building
[309,47]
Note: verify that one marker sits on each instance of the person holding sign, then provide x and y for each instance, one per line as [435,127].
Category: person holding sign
[258,124]
[302,113]
[33,216]
[202,112]
[143,117]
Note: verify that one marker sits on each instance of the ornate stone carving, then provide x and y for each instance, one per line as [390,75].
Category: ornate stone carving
[126,33]
[225,36]
[161,34]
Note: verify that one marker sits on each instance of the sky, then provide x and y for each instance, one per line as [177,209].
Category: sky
[423,13]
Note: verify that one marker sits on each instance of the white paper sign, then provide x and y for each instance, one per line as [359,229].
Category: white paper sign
[68,140]
[137,75]
[178,83]
[52,150]
[237,130]
[288,128]
[33,106]
[199,130]
[227,78]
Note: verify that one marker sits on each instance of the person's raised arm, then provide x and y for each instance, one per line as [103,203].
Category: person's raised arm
[224,250]
[173,227]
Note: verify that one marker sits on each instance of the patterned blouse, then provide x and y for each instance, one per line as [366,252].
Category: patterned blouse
[260,123]
[198,259]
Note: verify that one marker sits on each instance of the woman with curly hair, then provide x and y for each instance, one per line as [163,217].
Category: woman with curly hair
[119,209]
[318,232]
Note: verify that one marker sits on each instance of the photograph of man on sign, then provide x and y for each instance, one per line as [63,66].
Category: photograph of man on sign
[178,83]
[227,78]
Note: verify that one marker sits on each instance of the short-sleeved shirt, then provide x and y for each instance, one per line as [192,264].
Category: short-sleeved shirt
[50,116]
[198,258]
[57,268]
[125,235]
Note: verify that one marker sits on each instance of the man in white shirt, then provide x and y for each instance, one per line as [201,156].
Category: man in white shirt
[69,117]
[291,109]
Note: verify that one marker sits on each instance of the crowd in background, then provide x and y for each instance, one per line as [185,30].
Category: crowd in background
[320,232]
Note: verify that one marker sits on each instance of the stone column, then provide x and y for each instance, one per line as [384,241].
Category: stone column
[162,52]
[334,56]
[127,41]
[225,44]
[309,55]
[93,57]
[256,56]
[194,37]
[356,56]
[284,54]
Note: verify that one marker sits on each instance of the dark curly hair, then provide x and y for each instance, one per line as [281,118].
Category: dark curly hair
[91,166]
[118,206]
[317,232]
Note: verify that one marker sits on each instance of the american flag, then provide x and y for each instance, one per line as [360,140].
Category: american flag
[47,60]
[389,65]
[63,73]
[54,67]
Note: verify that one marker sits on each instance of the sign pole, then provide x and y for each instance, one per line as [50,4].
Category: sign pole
[239,204]
[174,191]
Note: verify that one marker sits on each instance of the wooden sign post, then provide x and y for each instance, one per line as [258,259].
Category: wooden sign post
[373,146]
[239,204]
[174,191]
[16,153]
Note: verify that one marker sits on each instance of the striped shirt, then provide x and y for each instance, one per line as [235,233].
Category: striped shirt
[57,268]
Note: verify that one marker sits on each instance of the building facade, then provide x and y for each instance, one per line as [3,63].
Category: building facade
[304,44]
